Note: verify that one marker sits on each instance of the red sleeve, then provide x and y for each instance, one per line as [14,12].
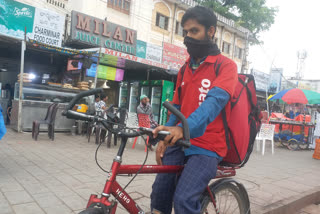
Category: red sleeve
[176,99]
[227,77]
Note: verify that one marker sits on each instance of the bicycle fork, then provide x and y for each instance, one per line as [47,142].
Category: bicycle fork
[213,200]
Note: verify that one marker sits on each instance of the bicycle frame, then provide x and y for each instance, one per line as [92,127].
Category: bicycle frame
[112,187]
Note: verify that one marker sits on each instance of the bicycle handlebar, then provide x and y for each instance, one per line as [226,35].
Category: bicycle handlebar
[69,113]
[81,95]
[180,116]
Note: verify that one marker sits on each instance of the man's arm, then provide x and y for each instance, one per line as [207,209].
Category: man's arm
[207,112]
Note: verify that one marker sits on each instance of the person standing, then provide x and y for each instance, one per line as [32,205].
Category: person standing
[316,132]
[103,102]
[145,108]
[97,104]
[3,129]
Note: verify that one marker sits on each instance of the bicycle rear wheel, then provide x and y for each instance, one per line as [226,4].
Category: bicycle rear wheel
[229,199]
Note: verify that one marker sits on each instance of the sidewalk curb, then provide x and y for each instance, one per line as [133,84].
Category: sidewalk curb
[293,204]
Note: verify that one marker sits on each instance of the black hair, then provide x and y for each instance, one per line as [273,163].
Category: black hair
[203,15]
[96,97]
[103,96]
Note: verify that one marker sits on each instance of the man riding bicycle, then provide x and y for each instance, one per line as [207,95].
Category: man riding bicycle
[201,94]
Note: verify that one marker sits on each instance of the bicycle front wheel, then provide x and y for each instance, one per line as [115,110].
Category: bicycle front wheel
[228,200]
[92,211]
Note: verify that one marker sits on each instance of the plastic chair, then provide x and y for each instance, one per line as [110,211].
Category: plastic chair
[266,133]
[144,121]
[49,120]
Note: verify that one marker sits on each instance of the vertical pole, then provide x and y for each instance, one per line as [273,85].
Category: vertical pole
[173,22]
[148,74]
[96,75]
[244,59]
[267,100]
[23,48]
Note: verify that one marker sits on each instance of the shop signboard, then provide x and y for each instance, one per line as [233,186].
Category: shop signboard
[48,27]
[141,49]
[94,32]
[275,80]
[133,58]
[174,56]
[313,85]
[105,72]
[154,53]
[261,79]
[15,17]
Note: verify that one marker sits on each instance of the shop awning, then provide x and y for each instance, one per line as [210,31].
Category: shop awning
[64,51]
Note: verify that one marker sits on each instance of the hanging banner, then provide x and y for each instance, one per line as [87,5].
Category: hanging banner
[15,17]
[141,49]
[106,72]
[275,80]
[174,56]
[48,27]
[154,53]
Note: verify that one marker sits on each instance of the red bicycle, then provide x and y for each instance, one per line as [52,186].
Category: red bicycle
[224,196]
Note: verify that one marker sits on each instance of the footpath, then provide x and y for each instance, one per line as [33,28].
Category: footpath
[57,177]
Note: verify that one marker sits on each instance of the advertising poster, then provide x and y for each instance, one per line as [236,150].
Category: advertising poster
[174,56]
[106,72]
[275,80]
[141,49]
[15,17]
[154,53]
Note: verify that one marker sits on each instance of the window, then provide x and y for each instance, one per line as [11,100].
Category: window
[56,3]
[162,21]
[179,29]
[120,5]
[226,47]
[238,52]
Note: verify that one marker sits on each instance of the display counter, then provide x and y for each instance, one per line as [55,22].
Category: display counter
[36,100]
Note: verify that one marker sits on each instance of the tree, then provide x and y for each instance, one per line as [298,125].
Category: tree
[251,14]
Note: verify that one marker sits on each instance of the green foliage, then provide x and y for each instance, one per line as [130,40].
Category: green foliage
[251,14]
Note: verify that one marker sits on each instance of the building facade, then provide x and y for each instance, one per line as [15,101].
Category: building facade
[156,22]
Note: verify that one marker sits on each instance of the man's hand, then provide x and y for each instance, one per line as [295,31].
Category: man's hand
[161,148]
[176,133]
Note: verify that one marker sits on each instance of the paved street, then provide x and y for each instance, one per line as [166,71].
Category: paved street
[58,177]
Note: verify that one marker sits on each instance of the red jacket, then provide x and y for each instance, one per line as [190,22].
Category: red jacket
[194,89]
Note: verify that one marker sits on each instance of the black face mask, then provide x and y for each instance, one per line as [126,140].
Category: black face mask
[200,48]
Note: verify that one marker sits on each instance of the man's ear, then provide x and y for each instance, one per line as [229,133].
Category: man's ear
[211,32]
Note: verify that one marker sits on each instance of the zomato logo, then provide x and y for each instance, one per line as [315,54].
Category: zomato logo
[205,87]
